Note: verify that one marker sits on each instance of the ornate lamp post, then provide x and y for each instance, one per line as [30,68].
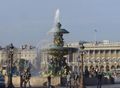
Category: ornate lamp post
[10,51]
[82,65]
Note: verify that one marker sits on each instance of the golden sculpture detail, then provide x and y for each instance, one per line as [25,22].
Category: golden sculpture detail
[58,35]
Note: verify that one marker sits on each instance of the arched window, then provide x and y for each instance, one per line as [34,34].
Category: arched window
[112,67]
[91,67]
[96,66]
[107,68]
[101,66]
[118,66]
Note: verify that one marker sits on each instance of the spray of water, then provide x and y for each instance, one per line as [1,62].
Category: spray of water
[57,16]
[56,20]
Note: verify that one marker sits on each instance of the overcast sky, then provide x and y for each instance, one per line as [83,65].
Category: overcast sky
[28,21]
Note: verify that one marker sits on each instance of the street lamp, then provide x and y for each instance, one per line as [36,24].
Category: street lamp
[10,50]
[82,65]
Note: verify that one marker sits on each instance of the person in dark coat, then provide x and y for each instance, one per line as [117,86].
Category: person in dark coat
[49,81]
[99,77]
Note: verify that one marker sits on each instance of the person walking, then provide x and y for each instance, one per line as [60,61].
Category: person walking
[99,77]
[49,81]
[75,80]
[68,80]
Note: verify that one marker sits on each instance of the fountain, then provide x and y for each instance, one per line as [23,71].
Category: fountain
[58,64]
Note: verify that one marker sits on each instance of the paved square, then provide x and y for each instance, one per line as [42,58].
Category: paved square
[107,86]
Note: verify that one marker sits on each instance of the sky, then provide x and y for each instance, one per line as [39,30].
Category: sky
[28,21]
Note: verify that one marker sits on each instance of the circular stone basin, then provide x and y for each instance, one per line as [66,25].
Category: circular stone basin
[58,51]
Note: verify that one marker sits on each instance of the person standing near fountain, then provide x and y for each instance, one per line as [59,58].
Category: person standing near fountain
[49,81]
[99,83]
[68,80]
[25,78]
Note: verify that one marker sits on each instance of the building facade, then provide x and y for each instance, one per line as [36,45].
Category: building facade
[25,52]
[103,56]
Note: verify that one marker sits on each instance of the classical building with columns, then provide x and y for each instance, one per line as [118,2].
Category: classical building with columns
[103,56]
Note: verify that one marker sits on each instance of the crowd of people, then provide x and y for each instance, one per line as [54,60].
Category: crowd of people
[73,78]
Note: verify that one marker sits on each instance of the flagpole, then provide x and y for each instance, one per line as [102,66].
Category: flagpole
[95,36]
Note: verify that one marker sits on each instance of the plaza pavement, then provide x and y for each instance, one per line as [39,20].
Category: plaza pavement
[107,86]
[103,86]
